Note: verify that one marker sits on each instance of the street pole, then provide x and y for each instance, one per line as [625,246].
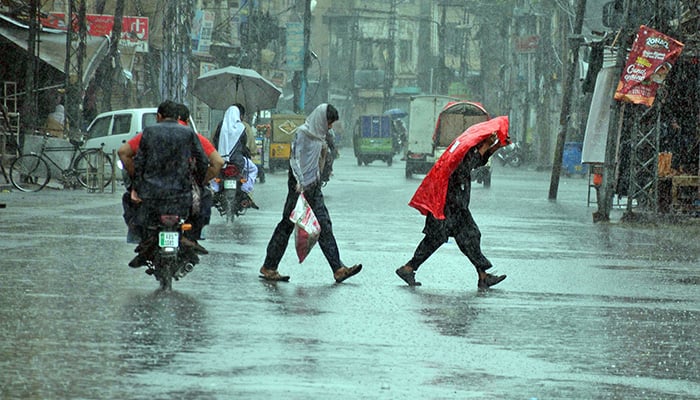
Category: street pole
[390,62]
[567,97]
[110,67]
[30,105]
[442,38]
[300,79]
[75,56]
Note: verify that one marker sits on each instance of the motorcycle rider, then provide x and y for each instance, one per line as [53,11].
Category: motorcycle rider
[398,135]
[231,139]
[199,218]
[170,159]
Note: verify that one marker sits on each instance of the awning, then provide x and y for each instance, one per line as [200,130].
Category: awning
[52,46]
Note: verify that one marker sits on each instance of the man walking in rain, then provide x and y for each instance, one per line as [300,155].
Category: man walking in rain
[309,154]
[443,197]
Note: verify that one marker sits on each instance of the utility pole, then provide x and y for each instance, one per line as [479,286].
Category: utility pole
[607,186]
[567,91]
[177,49]
[442,39]
[300,81]
[391,56]
[30,105]
[111,66]
[75,55]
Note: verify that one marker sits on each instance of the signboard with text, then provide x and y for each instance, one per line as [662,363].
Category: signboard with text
[202,28]
[134,29]
[295,46]
[650,60]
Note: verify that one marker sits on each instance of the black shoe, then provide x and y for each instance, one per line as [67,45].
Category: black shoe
[488,280]
[138,261]
[199,249]
[192,244]
[247,202]
[408,275]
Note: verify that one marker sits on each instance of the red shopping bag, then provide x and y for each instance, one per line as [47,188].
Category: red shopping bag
[306,227]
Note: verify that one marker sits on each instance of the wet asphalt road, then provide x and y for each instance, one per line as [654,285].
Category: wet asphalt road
[588,311]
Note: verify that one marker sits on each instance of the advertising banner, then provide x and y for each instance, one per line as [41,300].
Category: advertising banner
[202,29]
[134,29]
[295,46]
[650,60]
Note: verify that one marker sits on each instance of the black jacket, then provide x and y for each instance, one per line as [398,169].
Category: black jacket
[170,157]
[457,215]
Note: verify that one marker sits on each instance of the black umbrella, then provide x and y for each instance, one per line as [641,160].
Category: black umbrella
[222,87]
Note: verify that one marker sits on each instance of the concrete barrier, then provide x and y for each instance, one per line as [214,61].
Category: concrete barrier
[58,154]
[57,150]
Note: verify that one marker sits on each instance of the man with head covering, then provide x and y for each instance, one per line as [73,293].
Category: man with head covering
[231,138]
[443,197]
[309,151]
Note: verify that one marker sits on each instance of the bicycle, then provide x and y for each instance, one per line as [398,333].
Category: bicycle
[30,172]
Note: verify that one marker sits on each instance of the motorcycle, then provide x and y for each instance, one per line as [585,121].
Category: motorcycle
[229,199]
[511,155]
[482,174]
[174,256]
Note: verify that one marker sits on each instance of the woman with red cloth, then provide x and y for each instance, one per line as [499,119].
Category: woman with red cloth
[443,197]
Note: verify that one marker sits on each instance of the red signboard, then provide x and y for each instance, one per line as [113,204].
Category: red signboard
[527,44]
[134,29]
[650,60]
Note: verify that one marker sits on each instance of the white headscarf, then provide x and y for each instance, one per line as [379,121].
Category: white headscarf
[231,131]
[309,142]
[59,114]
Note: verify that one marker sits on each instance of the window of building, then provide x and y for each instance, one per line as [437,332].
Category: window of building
[405,51]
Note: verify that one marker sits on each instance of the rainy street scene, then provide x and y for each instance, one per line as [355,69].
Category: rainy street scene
[316,199]
[586,312]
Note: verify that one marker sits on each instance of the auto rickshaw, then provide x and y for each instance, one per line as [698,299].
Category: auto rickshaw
[373,139]
[283,128]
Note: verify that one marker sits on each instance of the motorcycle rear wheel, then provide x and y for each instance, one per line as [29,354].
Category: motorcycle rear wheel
[515,161]
[164,273]
[232,205]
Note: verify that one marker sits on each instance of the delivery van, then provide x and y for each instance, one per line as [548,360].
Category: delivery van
[423,115]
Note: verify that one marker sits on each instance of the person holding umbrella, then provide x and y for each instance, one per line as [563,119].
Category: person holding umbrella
[309,154]
[443,197]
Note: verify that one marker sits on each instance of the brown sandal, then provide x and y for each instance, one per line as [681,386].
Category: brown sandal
[344,272]
[272,275]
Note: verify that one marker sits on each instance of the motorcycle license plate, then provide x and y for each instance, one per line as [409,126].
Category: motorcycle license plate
[229,184]
[168,239]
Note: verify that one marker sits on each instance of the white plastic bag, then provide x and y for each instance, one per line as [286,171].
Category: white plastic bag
[306,227]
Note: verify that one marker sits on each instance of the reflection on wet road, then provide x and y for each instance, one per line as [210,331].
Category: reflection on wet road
[587,312]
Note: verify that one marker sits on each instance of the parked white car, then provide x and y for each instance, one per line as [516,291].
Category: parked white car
[113,128]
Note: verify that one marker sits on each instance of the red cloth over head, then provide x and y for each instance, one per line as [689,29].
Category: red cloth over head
[432,192]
